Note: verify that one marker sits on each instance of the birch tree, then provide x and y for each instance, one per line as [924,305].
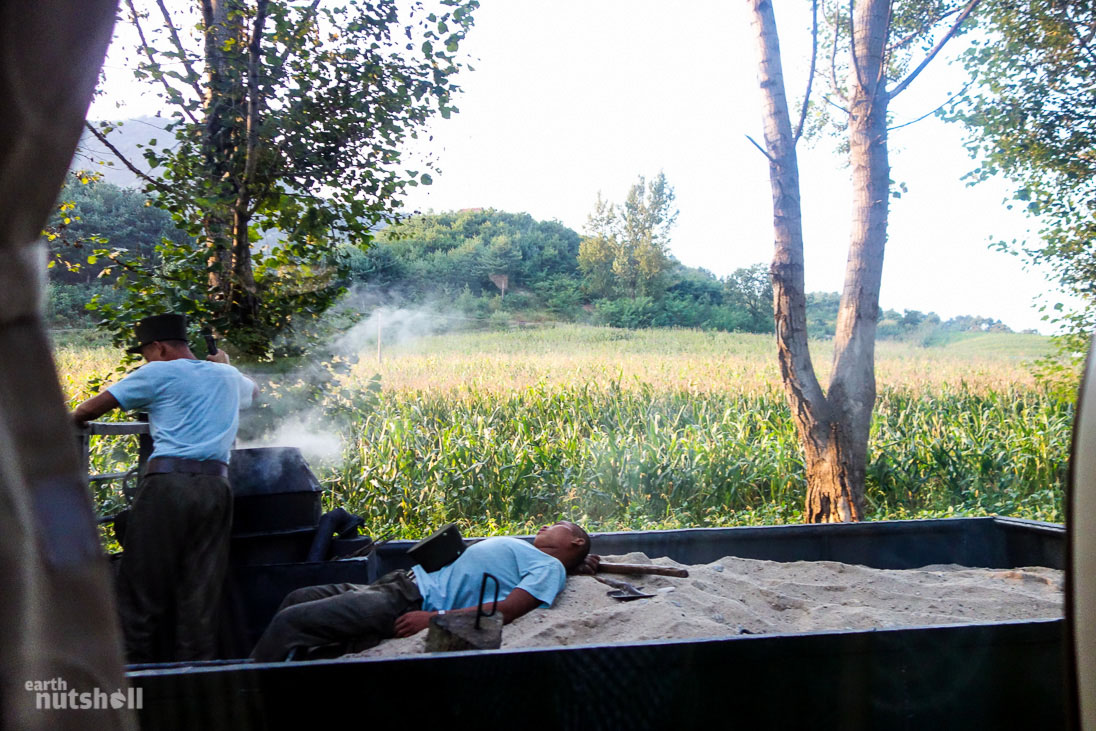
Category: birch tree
[871,52]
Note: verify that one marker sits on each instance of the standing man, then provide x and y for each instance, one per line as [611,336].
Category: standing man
[176,551]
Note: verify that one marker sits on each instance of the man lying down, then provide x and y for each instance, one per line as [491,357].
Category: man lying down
[341,618]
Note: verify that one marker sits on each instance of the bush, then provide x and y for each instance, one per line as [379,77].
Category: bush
[561,294]
[66,304]
[472,305]
[627,313]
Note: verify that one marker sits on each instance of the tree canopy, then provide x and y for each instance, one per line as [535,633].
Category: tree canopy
[1031,116]
[626,249]
[465,248]
[287,135]
[93,213]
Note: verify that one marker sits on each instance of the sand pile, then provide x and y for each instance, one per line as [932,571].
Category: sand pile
[738,596]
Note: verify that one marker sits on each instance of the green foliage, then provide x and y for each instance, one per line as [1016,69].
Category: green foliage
[66,304]
[671,311]
[1030,116]
[463,249]
[450,256]
[750,290]
[93,213]
[291,137]
[379,265]
[626,250]
[822,310]
[988,450]
[638,455]
[925,329]
[562,295]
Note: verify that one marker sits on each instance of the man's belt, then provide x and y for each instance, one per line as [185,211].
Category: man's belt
[160,465]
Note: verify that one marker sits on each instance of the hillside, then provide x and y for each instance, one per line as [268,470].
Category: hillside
[484,265]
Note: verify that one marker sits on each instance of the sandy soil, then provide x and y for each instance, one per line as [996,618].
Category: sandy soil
[739,596]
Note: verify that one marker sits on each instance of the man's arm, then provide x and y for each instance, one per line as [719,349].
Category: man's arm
[516,604]
[94,407]
[222,357]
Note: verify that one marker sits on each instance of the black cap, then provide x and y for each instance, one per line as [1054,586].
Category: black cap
[159,327]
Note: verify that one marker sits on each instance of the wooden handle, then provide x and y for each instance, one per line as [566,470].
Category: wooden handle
[642,568]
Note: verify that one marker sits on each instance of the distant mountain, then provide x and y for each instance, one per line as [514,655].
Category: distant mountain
[93,156]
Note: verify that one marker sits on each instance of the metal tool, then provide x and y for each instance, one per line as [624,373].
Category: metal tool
[211,344]
[622,590]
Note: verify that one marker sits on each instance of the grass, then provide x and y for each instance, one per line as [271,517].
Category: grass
[1021,346]
[659,428]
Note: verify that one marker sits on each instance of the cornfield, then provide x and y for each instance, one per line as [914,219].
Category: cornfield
[500,432]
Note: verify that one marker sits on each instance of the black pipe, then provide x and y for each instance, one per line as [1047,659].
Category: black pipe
[336,521]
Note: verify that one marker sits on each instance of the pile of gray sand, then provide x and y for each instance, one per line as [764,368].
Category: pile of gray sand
[735,596]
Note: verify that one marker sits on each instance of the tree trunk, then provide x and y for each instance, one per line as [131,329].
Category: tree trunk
[226,140]
[852,385]
[833,427]
[216,142]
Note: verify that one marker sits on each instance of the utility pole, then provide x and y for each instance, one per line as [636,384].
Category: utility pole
[378,337]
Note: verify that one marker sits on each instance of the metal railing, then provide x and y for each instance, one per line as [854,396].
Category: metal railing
[116,429]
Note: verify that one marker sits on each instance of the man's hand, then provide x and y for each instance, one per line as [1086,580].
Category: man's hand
[411,623]
[589,565]
[219,357]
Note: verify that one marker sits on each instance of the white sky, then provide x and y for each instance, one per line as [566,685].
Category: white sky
[573,97]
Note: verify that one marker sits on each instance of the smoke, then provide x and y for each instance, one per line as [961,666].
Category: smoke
[298,403]
[306,432]
[387,326]
[387,322]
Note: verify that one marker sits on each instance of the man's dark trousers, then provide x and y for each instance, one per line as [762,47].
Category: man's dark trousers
[173,566]
[350,617]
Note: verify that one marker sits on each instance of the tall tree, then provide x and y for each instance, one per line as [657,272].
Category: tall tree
[288,121]
[751,290]
[1031,116]
[626,250]
[872,42]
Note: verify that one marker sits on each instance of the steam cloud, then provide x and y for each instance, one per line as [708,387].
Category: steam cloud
[307,429]
[305,433]
[395,325]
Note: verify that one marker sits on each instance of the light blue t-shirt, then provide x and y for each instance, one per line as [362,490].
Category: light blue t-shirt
[514,562]
[193,405]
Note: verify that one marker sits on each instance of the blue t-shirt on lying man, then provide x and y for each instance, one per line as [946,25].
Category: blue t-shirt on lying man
[514,562]
[193,405]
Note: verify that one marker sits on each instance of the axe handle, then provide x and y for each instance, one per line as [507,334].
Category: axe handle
[641,568]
